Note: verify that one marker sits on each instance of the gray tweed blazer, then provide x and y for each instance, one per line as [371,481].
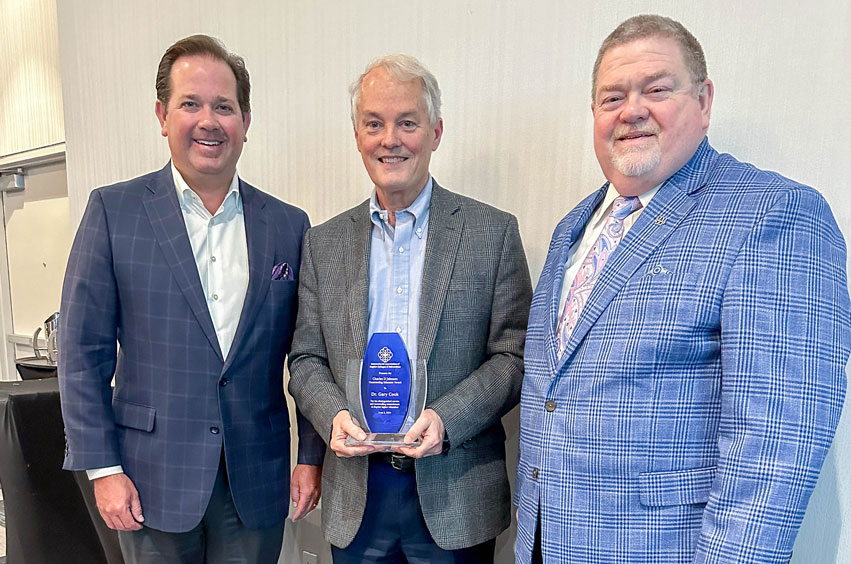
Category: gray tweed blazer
[473,311]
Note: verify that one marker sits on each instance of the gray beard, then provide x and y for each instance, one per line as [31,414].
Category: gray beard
[637,162]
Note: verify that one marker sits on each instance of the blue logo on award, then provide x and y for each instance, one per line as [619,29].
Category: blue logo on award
[385,383]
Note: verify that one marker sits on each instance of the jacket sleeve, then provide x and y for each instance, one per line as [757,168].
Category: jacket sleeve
[785,337]
[312,384]
[87,341]
[311,447]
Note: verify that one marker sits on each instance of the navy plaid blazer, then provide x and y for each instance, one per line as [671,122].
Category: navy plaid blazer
[132,279]
[702,386]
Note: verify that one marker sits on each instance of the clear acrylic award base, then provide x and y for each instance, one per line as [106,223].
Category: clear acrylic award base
[382,439]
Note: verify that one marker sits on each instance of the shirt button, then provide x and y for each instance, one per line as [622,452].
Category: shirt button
[213,259]
[550,406]
[214,430]
[419,230]
[534,473]
[399,330]
[215,297]
[399,290]
[401,249]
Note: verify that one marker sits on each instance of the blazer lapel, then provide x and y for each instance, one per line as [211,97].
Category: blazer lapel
[564,241]
[666,210]
[166,219]
[357,245]
[261,259]
[445,224]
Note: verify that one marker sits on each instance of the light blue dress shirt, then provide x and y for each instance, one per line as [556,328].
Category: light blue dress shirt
[396,261]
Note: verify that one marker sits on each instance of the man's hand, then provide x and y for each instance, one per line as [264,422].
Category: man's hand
[428,428]
[305,489]
[344,426]
[118,502]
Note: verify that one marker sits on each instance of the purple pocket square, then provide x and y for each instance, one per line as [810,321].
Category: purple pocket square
[282,272]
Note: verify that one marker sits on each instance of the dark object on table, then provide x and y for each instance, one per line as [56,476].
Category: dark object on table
[46,517]
[35,368]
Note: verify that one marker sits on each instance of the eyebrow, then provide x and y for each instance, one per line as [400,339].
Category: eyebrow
[620,87]
[194,96]
[405,115]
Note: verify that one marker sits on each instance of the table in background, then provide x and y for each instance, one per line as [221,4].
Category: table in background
[49,517]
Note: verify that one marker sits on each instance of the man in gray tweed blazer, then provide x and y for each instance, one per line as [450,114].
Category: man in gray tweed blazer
[449,275]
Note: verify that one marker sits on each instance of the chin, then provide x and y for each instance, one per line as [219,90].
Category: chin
[634,164]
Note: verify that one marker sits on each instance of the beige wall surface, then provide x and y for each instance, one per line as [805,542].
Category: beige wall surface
[31,114]
[38,240]
[515,81]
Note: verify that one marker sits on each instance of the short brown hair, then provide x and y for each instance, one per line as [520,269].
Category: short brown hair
[652,25]
[209,46]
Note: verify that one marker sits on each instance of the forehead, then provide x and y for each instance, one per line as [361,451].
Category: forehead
[381,92]
[191,71]
[641,59]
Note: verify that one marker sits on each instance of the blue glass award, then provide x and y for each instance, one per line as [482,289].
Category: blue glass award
[386,393]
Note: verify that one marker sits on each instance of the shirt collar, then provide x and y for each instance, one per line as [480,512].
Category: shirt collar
[419,209]
[611,194]
[188,198]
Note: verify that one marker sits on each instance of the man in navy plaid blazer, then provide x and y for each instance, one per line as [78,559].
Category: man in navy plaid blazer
[680,411]
[194,273]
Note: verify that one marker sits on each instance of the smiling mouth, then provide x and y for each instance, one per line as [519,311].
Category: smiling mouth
[638,134]
[635,135]
[208,142]
[392,160]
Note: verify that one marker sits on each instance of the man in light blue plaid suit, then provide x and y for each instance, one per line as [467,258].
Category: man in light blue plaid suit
[685,359]
[194,272]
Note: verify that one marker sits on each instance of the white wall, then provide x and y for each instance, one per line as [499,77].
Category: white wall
[515,78]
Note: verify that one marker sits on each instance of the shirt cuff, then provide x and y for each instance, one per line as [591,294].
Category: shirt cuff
[96,473]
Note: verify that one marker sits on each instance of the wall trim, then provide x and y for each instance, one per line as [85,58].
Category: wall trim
[55,152]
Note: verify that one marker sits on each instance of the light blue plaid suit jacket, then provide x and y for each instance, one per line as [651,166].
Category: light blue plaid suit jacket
[703,383]
[177,402]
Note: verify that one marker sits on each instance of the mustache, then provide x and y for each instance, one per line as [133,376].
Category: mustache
[623,131]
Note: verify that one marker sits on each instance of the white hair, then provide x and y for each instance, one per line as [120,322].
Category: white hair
[402,68]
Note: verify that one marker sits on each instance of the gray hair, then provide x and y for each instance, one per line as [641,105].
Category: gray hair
[401,68]
[652,25]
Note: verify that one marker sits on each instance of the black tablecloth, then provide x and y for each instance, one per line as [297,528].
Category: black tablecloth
[47,521]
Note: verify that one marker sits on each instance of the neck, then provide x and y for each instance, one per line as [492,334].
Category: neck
[631,186]
[395,200]
[212,200]
[211,189]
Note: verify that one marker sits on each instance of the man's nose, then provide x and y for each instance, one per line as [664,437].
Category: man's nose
[208,119]
[635,109]
[391,137]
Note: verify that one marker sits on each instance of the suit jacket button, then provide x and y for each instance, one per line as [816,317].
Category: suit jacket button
[214,430]
[223,382]
[534,473]
[550,406]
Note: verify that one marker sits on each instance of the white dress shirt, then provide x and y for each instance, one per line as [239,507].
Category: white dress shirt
[221,254]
